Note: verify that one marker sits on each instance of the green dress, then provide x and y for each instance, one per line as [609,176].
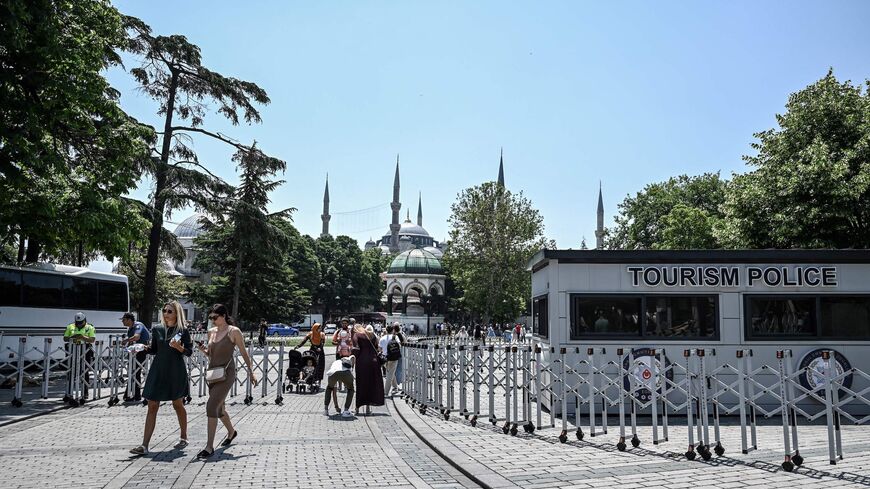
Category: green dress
[167,377]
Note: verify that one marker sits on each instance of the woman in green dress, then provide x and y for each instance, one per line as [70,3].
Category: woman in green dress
[167,376]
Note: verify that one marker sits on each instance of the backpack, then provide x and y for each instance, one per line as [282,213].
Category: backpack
[394,349]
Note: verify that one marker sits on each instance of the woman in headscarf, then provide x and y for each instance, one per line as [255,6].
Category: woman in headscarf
[369,382]
[317,339]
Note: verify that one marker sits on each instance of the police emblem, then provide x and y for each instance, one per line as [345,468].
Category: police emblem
[813,369]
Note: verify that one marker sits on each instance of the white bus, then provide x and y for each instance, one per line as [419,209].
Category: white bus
[42,299]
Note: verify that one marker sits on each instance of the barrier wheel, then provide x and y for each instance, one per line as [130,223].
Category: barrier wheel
[473,421]
[620,446]
[16,402]
[563,437]
[579,434]
[127,398]
[279,400]
[787,466]
[798,460]
[530,428]
[690,455]
[719,449]
[506,428]
[66,399]
[423,410]
[514,429]
[706,455]
[635,441]
[492,420]
[446,416]
[81,401]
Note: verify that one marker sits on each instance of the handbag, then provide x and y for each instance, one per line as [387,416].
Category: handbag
[382,359]
[217,374]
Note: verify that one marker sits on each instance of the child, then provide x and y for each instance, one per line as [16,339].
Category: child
[307,373]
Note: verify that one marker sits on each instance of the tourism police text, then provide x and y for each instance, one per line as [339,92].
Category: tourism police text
[684,276]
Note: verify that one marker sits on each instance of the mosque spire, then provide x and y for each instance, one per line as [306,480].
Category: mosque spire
[395,205]
[325,216]
[501,168]
[420,210]
[599,231]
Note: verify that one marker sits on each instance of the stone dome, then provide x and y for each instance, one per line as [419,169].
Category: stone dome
[190,227]
[435,251]
[416,261]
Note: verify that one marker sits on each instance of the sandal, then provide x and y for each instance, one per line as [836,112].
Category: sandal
[204,454]
[230,439]
[140,450]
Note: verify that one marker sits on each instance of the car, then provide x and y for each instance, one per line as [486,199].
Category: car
[329,329]
[280,329]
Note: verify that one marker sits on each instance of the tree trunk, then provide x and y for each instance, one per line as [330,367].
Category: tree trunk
[21,248]
[34,247]
[81,254]
[237,286]
[150,286]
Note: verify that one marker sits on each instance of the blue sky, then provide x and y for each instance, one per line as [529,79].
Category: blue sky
[626,93]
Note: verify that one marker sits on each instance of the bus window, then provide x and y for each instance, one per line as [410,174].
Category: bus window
[41,290]
[79,293]
[10,288]
[113,296]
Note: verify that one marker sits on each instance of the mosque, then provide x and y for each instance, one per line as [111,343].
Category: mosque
[414,283]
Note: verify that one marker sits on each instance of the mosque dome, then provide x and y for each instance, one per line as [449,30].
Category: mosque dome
[190,227]
[436,252]
[408,228]
[416,261]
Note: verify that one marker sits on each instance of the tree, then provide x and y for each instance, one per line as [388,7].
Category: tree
[810,186]
[679,213]
[493,235]
[68,152]
[172,74]
[349,279]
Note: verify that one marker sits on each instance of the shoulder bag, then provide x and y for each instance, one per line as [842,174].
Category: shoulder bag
[382,359]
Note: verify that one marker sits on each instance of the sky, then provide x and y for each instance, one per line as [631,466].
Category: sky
[575,93]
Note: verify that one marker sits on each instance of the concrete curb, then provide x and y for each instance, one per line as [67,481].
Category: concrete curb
[479,474]
[34,415]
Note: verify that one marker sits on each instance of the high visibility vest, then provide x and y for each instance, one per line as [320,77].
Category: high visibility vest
[88,331]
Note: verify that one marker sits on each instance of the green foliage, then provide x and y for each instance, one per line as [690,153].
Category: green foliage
[349,278]
[170,287]
[810,187]
[67,150]
[171,73]
[677,214]
[493,234]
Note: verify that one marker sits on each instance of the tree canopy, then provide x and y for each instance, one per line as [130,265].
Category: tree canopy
[493,235]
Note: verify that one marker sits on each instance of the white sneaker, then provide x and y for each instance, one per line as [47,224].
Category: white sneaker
[326,411]
[346,414]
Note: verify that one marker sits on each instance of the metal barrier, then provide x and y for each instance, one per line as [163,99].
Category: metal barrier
[518,384]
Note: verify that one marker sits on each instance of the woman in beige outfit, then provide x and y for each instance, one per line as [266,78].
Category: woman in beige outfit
[223,338]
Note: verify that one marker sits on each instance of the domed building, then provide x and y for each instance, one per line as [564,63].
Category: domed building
[414,282]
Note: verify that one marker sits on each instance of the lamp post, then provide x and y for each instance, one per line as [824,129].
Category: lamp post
[428,304]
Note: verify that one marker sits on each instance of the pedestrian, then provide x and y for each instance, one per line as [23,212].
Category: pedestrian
[490,333]
[262,333]
[340,372]
[317,339]
[391,345]
[223,339]
[167,376]
[137,334]
[337,339]
[81,332]
[478,334]
[369,384]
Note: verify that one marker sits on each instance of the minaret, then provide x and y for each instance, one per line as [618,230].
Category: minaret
[420,210]
[395,205]
[599,231]
[501,168]
[325,216]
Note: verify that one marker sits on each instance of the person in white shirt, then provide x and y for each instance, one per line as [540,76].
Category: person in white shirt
[391,345]
[340,372]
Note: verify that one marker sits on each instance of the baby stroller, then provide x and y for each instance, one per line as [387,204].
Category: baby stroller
[294,367]
[309,373]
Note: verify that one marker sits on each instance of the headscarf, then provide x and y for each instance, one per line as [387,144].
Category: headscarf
[315,336]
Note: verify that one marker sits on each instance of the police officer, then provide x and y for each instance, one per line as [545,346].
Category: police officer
[77,333]
[137,333]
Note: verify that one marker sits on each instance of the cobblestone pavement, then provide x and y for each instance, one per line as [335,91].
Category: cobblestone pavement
[293,445]
[540,460]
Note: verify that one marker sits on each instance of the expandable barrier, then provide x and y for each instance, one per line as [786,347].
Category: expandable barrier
[106,370]
[517,385]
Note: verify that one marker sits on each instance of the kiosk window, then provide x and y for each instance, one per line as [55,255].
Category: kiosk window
[680,316]
[781,316]
[605,316]
[540,317]
[845,317]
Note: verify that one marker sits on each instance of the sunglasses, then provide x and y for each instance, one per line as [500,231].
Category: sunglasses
[213,317]
[168,311]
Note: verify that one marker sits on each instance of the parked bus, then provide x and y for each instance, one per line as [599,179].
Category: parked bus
[42,299]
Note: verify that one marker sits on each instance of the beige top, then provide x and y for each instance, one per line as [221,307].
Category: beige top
[220,353]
